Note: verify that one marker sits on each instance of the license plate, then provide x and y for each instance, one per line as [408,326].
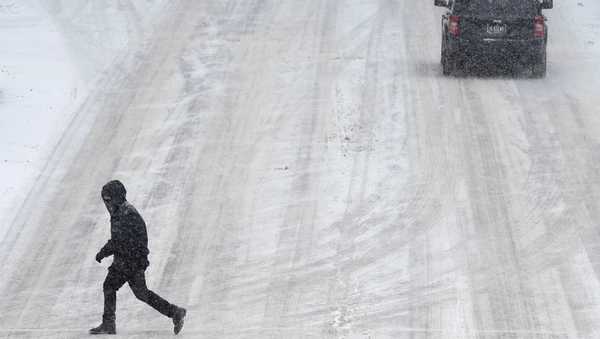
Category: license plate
[496,29]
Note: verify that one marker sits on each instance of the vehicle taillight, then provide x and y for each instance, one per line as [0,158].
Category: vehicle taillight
[454,25]
[538,27]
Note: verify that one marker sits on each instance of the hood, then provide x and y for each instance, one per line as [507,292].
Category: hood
[113,193]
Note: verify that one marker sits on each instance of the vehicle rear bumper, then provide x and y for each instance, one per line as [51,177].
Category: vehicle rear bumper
[499,49]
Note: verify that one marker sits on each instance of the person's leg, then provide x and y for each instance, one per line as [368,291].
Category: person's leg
[141,291]
[114,280]
[112,283]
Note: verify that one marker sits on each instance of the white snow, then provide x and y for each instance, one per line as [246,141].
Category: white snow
[52,52]
[38,92]
[304,169]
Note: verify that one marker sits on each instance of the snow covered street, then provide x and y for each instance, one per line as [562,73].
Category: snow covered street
[305,171]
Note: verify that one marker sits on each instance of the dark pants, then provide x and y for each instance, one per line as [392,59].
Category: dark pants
[137,282]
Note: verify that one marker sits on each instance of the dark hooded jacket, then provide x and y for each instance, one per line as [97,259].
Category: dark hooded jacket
[128,237]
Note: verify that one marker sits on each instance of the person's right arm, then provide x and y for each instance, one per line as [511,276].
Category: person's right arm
[106,251]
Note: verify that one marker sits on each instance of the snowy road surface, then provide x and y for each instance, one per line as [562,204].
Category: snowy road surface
[306,172]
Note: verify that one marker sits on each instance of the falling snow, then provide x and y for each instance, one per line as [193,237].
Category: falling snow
[304,169]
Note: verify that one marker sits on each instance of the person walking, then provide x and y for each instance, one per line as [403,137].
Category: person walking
[129,247]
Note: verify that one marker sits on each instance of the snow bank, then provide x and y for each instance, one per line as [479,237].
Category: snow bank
[38,91]
[53,52]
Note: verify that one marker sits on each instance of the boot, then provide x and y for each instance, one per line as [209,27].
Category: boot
[104,328]
[178,317]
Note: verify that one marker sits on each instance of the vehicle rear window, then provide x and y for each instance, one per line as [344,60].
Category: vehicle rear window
[497,8]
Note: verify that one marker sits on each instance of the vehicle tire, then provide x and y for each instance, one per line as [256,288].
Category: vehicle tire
[447,64]
[538,69]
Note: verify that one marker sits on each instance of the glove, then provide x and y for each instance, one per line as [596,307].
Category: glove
[99,257]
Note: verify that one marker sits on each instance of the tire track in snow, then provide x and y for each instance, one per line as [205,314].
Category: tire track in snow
[295,236]
[50,256]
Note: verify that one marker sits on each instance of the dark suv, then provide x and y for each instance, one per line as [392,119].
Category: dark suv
[479,31]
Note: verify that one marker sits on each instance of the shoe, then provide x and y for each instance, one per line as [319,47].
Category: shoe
[178,319]
[104,328]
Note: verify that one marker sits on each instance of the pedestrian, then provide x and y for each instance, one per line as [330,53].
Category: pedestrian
[129,247]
